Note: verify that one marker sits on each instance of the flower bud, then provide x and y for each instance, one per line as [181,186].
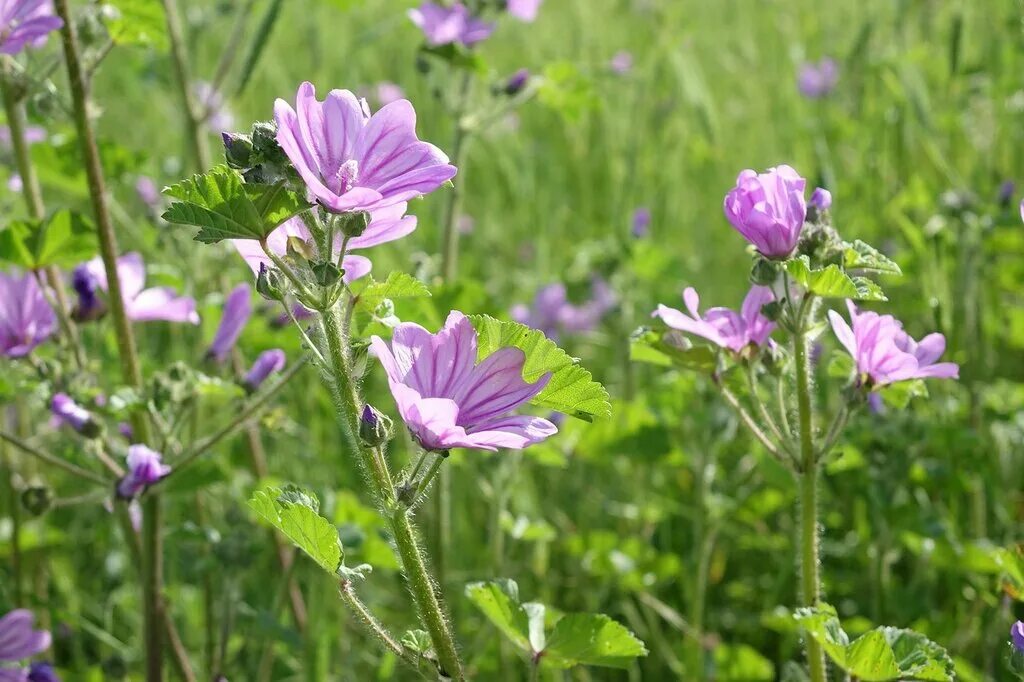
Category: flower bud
[764,272]
[821,199]
[238,150]
[375,428]
[269,362]
[37,500]
[271,284]
[516,82]
[353,224]
[326,273]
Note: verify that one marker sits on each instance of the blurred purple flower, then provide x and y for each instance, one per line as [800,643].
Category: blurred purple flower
[147,191]
[15,183]
[26,319]
[553,314]
[1017,635]
[299,311]
[141,305]
[89,306]
[815,80]
[218,118]
[768,209]
[721,326]
[33,134]
[876,404]
[448,400]
[387,92]
[621,62]
[465,224]
[145,468]
[352,161]
[42,672]
[237,309]
[66,411]
[517,81]
[125,429]
[821,199]
[641,222]
[1006,192]
[884,353]
[26,22]
[18,640]
[443,25]
[524,10]
[269,362]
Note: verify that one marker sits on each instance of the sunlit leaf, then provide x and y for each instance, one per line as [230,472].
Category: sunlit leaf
[293,512]
[65,239]
[591,639]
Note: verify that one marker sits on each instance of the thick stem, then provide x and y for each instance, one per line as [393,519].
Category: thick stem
[193,115]
[130,369]
[810,581]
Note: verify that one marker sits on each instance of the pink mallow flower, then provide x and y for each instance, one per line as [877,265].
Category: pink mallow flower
[140,304]
[524,10]
[19,641]
[387,92]
[884,353]
[443,25]
[145,468]
[448,400]
[768,209]
[816,80]
[269,362]
[67,412]
[26,22]
[237,310]
[723,327]
[26,319]
[352,161]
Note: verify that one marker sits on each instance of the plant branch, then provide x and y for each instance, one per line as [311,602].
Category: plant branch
[53,460]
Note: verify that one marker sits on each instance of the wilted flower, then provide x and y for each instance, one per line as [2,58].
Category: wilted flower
[141,305]
[884,353]
[42,672]
[26,319]
[768,209]
[641,222]
[517,81]
[387,92]
[821,199]
[66,411]
[621,62]
[816,80]
[19,641]
[26,22]
[524,10]
[352,161]
[443,25]
[147,191]
[218,117]
[721,326]
[237,309]
[269,362]
[448,400]
[553,314]
[1017,635]
[145,468]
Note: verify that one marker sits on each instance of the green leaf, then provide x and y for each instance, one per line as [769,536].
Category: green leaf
[832,282]
[294,512]
[571,390]
[669,348]
[918,657]
[870,658]
[566,90]
[899,394]
[862,256]
[417,641]
[499,601]
[223,207]
[65,239]
[397,285]
[822,624]
[138,22]
[741,663]
[591,639]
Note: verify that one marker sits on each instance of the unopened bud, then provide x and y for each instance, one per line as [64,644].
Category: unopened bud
[326,273]
[271,284]
[237,150]
[375,428]
[764,272]
[37,500]
[353,224]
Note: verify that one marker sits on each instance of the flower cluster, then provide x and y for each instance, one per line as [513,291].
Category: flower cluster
[553,314]
[20,641]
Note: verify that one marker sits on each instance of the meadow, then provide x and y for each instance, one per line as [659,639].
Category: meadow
[228,451]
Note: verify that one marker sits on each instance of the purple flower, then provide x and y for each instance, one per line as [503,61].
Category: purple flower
[140,304]
[125,429]
[641,222]
[15,183]
[1017,635]
[517,81]
[448,400]
[524,10]
[25,22]
[269,362]
[553,314]
[884,353]
[145,468]
[66,411]
[218,117]
[621,62]
[89,306]
[443,25]
[237,309]
[26,319]
[147,191]
[42,672]
[465,224]
[299,311]
[721,326]
[821,199]
[817,80]
[352,161]
[33,134]
[18,640]
[768,209]
[1006,191]
[387,92]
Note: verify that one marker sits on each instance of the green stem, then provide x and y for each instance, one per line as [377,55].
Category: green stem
[450,243]
[375,627]
[810,581]
[53,460]
[700,575]
[193,115]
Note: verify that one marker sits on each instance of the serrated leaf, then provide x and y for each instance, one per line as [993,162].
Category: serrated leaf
[667,349]
[918,657]
[870,658]
[862,256]
[822,624]
[138,22]
[832,282]
[499,602]
[417,641]
[300,523]
[397,285]
[223,207]
[591,639]
[64,239]
[571,390]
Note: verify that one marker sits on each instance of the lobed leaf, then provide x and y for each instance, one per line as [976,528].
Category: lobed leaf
[572,388]
[499,602]
[860,255]
[397,285]
[833,282]
[294,512]
[668,348]
[65,239]
[591,639]
[138,22]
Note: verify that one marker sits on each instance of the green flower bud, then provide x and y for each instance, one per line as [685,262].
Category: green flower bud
[238,150]
[375,428]
[271,284]
[37,500]
[353,224]
[764,272]
[326,273]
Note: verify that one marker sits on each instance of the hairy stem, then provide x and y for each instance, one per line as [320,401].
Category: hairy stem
[193,114]
[450,242]
[348,595]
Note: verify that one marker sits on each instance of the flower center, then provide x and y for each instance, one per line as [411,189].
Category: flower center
[347,175]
